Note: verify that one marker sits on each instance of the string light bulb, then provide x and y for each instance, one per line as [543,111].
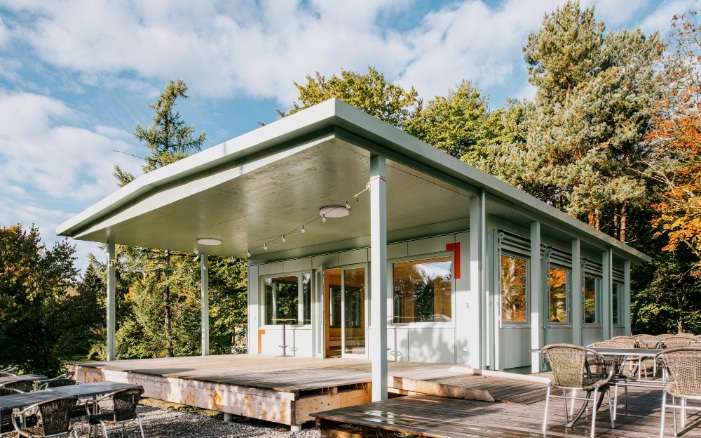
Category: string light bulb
[283,239]
[248,254]
[347,206]
[265,247]
[323,218]
[301,229]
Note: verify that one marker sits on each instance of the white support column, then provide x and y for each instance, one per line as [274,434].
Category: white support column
[576,305]
[204,295]
[606,295]
[479,310]
[378,276]
[111,300]
[536,301]
[626,298]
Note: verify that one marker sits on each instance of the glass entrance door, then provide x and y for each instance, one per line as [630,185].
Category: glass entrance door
[344,312]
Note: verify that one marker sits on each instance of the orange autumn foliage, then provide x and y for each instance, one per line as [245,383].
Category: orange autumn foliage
[676,139]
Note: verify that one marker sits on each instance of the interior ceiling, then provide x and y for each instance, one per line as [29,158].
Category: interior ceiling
[258,207]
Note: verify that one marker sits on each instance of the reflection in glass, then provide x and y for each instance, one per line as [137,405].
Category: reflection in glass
[617,292]
[513,289]
[307,297]
[558,295]
[281,298]
[423,291]
[354,310]
[589,299]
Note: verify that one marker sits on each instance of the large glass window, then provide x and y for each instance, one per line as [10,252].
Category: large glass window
[591,299]
[617,294]
[423,290]
[307,298]
[559,299]
[283,296]
[513,289]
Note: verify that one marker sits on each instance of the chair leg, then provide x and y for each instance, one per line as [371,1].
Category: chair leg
[545,415]
[615,401]
[141,428]
[593,413]
[674,414]
[664,403]
[612,415]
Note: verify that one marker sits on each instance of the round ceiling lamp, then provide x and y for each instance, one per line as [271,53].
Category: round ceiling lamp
[208,241]
[334,211]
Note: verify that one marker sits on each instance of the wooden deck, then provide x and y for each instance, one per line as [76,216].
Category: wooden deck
[423,416]
[288,390]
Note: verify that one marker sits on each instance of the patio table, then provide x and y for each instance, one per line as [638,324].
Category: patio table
[634,353]
[21,401]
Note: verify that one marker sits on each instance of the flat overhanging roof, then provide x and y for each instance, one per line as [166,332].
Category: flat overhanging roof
[251,190]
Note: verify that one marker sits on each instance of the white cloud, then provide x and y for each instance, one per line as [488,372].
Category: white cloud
[43,151]
[661,17]
[471,41]
[617,12]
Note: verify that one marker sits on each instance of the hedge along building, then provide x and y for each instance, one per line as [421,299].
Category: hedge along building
[363,241]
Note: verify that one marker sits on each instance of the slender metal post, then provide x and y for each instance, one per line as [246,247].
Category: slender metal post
[626,298]
[204,294]
[111,300]
[536,298]
[576,292]
[378,276]
[606,295]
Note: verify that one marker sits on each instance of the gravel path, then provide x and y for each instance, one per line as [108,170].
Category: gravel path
[167,423]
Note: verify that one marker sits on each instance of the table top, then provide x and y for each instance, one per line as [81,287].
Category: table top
[90,389]
[20,378]
[10,402]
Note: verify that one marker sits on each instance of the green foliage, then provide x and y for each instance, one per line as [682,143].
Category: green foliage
[38,321]
[585,138]
[456,124]
[369,92]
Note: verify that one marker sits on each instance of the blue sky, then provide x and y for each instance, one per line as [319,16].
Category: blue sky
[76,76]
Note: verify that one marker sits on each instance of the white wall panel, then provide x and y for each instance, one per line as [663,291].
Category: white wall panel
[428,344]
[326,260]
[429,245]
[271,268]
[353,257]
[514,347]
[297,265]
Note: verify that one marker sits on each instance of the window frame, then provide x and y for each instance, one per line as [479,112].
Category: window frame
[527,289]
[597,299]
[300,297]
[568,294]
[426,258]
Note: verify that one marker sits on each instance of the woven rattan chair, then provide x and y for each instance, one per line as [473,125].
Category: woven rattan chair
[21,385]
[683,367]
[678,341]
[648,341]
[124,404]
[620,377]
[5,416]
[54,418]
[571,373]
[629,341]
[80,407]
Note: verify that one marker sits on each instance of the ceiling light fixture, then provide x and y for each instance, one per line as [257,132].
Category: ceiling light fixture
[208,241]
[334,211]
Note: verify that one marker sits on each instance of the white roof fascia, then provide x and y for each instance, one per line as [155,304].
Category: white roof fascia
[380,137]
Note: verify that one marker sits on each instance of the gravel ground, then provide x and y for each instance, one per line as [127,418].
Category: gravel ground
[169,423]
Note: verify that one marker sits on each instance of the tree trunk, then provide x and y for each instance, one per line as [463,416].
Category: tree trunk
[624,213]
[616,226]
[167,317]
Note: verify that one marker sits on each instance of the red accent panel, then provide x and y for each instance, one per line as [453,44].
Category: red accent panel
[261,332]
[455,247]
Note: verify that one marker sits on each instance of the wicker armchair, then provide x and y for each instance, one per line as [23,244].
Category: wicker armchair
[683,335]
[571,373]
[678,341]
[684,381]
[5,420]
[648,341]
[124,404]
[20,385]
[629,341]
[54,418]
